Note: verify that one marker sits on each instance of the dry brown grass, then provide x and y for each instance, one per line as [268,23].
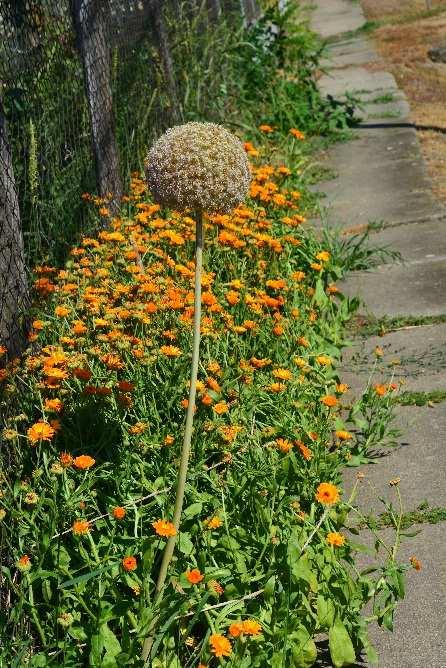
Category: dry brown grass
[403,41]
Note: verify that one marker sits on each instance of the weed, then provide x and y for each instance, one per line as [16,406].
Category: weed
[420,398]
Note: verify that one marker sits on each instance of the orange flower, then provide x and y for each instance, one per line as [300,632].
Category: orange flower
[220,646]
[119,513]
[82,374]
[79,327]
[129,564]
[343,435]
[221,407]
[283,444]
[54,405]
[297,134]
[282,374]
[125,386]
[138,428]
[302,341]
[213,523]
[341,388]
[323,256]
[267,129]
[24,563]
[80,527]
[327,493]
[194,576]
[415,563]
[329,400]
[170,351]
[164,528]
[38,325]
[380,390]
[236,629]
[232,297]
[323,360]
[215,587]
[168,440]
[61,311]
[335,539]
[276,387]
[41,431]
[304,451]
[251,627]
[65,459]
[83,462]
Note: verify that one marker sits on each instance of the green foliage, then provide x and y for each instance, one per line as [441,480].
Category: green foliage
[264,440]
[224,73]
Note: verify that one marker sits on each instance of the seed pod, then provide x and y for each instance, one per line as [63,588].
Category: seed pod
[198,166]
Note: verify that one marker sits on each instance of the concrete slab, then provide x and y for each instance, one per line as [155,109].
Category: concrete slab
[394,290]
[383,178]
[418,459]
[414,357]
[354,80]
[336,16]
[350,52]
[384,112]
[422,241]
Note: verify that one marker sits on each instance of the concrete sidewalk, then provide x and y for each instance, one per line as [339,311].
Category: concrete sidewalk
[382,177]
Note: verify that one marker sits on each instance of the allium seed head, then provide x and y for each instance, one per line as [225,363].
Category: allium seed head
[198,166]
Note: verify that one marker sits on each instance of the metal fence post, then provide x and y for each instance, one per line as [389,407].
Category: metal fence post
[90,24]
[14,294]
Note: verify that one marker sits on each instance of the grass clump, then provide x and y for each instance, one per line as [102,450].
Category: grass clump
[100,396]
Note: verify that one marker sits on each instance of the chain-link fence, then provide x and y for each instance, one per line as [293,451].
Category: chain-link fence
[84,87]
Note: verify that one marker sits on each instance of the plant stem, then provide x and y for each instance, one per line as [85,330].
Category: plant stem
[185,451]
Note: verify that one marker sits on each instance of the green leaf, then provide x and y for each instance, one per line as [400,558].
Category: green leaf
[277,660]
[193,510]
[84,578]
[341,647]
[185,544]
[268,593]
[94,658]
[78,633]
[303,649]
[110,642]
[301,570]
[39,661]
[325,611]
[319,295]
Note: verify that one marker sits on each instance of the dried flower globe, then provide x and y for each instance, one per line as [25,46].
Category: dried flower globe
[198,166]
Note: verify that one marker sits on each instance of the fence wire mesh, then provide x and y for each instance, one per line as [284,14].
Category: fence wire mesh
[84,86]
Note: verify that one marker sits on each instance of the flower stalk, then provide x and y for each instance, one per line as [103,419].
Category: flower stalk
[186,447]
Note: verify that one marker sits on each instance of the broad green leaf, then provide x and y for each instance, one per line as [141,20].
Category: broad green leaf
[303,649]
[319,295]
[109,642]
[193,510]
[185,544]
[277,660]
[301,570]
[78,633]
[94,658]
[268,593]
[341,647]
[325,611]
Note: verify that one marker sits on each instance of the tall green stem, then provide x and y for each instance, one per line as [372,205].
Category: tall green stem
[185,451]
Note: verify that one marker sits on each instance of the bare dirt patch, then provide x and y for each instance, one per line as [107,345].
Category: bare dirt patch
[407,31]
